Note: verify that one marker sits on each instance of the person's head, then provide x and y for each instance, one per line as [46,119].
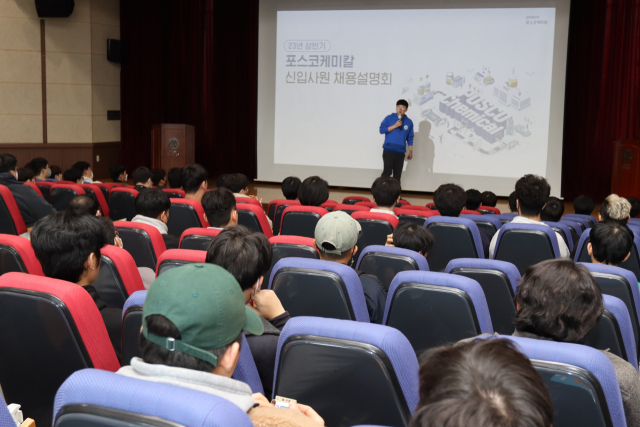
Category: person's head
[336,235]
[118,173]
[26,175]
[313,191]
[56,172]
[615,208]
[142,176]
[401,107]
[68,246]
[173,177]
[83,205]
[532,193]
[386,192]
[72,175]
[8,163]
[513,204]
[219,207]
[450,199]
[553,210]
[635,206]
[558,299]
[153,203]
[481,383]
[583,205]
[610,243]
[489,199]
[409,235]
[237,183]
[221,182]
[85,168]
[40,167]
[290,186]
[159,177]
[243,253]
[193,318]
[193,178]
[474,199]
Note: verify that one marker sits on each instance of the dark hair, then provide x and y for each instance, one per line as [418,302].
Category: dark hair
[449,199]
[115,171]
[141,175]
[157,175]
[38,164]
[72,175]
[218,205]
[583,205]
[553,211]
[222,180]
[313,191]
[290,186]
[81,165]
[489,199]
[173,177]
[635,206]
[192,176]
[236,182]
[158,355]
[55,170]
[615,208]
[558,299]
[62,243]
[409,235]
[385,191]
[485,383]
[532,192]
[83,205]
[152,202]
[8,163]
[513,207]
[25,174]
[474,199]
[402,102]
[243,253]
[611,242]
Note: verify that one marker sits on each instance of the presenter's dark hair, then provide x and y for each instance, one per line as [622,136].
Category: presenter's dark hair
[449,199]
[513,207]
[152,202]
[290,186]
[192,176]
[489,199]
[474,199]
[141,175]
[218,205]
[635,206]
[583,205]
[402,102]
[173,177]
[8,163]
[236,182]
[157,175]
[72,175]
[553,211]
[385,191]
[611,242]
[38,164]
[313,191]
[532,192]
[409,235]
[81,165]
[115,171]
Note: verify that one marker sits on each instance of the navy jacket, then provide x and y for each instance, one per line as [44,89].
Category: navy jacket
[32,206]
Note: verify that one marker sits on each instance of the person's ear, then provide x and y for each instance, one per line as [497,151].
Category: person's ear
[204,215]
[204,186]
[234,216]
[149,183]
[590,249]
[599,218]
[627,257]
[228,361]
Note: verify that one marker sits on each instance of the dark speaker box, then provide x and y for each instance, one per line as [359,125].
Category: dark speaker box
[116,51]
[55,8]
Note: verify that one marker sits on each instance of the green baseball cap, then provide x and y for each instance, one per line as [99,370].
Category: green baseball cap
[337,230]
[206,304]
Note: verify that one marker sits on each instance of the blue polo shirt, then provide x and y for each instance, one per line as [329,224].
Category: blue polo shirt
[395,140]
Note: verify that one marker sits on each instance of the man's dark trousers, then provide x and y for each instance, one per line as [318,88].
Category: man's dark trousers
[393,162]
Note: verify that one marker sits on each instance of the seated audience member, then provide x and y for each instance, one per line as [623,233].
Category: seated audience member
[159,178]
[489,199]
[31,205]
[238,183]
[409,235]
[118,173]
[247,256]
[173,178]
[290,186]
[313,191]
[205,335]
[485,383]
[543,313]
[553,210]
[87,173]
[450,200]
[610,243]
[222,181]
[152,208]
[56,174]
[615,208]
[68,248]
[513,206]
[220,208]
[336,235]
[583,205]
[142,179]
[193,178]
[532,193]
[41,169]
[386,193]
[635,206]
[73,176]
[474,200]
[26,175]
[83,205]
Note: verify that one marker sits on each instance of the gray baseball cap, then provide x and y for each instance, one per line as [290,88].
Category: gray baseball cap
[337,232]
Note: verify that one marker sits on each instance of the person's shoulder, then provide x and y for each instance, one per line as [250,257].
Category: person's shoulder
[409,120]
[625,372]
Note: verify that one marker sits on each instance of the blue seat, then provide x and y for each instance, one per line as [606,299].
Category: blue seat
[576,230]
[588,220]
[6,420]
[506,217]
[311,287]
[100,398]
[433,309]
[632,263]
[635,221]
[455,237]
[489,222]
[349,372]
[385,262]
[499,281]
[524,245]
[564,230]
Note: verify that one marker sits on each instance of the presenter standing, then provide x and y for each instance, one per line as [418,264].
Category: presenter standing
[398,132]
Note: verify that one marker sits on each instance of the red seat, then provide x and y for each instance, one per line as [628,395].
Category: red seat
[16,254]
[45,189]
[329,205]
[370,205]
[289,246]
[111,185]
[350,200]
[105,190]
[198,238]
[11,221]
[122,203]
[279,209]
[35,188]
[413,208]
[174,193]
[177,257]
[271,209]
[489,210]
[301,220]
[184,214]
[248,201]
[144,242]
[430,205]
[417,216]
[253,216]
[119,276]
[375,228]
[62,193]
[350,208]
[97,192]
[466,212]
[403,202]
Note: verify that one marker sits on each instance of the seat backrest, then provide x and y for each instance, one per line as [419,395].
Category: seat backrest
[468,212]
[580,219]
[575,229]
[253,217]
[412,208]
[104,189]
[564,230]
[499,281]
[524,245]
[348,208]
[590,220]
[144,242]
[174,193]
[432,309]
[311,287]
[45,189]
[417,217]
[6,420]
[97,193]
[198,238]
[329,205]
[11,221]
[35,188]
[248,201]
[103,399]
[506,217]
[431,205]
[456,237]
[488,210]
[375,226]
[372,377]
[371,205]
[403,202]
[385,262]
[301,220]
[16,254]
[118,277]
[184,214]
[287,247]
[278,210]
[351,200]
[489,223]
[122,203]
[61,195]
[632,263]
[59,331]
[173,258]
[271,209]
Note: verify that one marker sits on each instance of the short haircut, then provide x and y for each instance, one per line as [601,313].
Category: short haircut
[173,177]
[157,175]
[313,191]
[82,205]
[532,192]
[243,253]
[474,199]
[402,102]
[62,243]
[611,242]
[152,202]
[115,171]
[558,299]
[55,170]
[635,206]
[481,383]
[192,176]
[409,235]
[236,182]
[553,211]
[81,165]
[583,205]
[222,180]
[72,175]
[449,199]
[615,208]
[218,205]
[8,163]
[25,174]
[513,207]
[489,199]
[141,175]
[385,191]
[38,164]
[290,186]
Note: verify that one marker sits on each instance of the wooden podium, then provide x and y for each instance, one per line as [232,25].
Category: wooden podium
[172,145]
[625,179]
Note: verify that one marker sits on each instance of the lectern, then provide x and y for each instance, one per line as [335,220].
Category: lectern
[172,145]
[625,180]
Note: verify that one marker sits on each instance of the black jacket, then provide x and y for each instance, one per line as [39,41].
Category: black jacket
[375,296]
[112,318]
[31,205]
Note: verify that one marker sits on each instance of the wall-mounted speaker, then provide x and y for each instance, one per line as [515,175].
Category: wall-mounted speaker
[116,51]
[55,8]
